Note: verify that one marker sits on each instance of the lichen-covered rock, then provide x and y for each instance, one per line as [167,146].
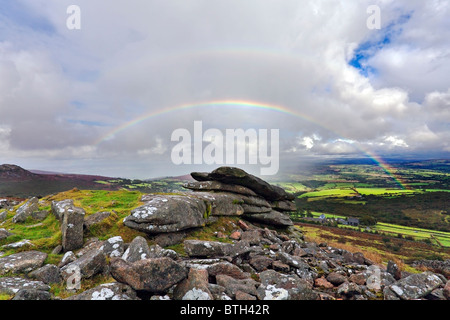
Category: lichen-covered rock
[416,286]
[137,250]
[107,291]
[232,285]
[168,213]
[277,286]
[67,258]
[25,211]
[207,249]
[32,294]
[12,285]
[48,274]
[72,228]
[113,247]
[194,287]
[60,207]
[22,262]
[89,264]
[155,275]
[446,291]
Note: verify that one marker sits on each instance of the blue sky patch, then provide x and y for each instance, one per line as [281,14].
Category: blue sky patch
[23,16]
[379,40]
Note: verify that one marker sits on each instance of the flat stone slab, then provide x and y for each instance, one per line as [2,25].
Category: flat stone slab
[107,291]
[22,262]
[12,285]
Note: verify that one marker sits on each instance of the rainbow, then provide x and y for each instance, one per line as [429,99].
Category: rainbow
[248,104]
[219,103]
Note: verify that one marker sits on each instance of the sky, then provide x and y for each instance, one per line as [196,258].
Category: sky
[105,98]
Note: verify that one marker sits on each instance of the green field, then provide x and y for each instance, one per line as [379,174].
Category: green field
[435,237]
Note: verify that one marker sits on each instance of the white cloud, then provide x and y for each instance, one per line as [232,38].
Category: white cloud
[61,90]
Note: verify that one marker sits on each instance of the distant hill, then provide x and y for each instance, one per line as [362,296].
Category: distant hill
[18,182]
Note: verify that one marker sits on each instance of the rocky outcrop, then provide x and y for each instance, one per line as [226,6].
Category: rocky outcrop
[248,259]
[261,264]
[236,176]
[226,191]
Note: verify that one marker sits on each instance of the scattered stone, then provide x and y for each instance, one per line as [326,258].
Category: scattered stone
[323,283]
[4,234]
[68,257]
[336,278]
[113,247]
[281,267]
[155,275]
[12,285]
[107,291]
[226,268]
[277,286]
[273,218]
[40,215]
[60,207]
[170,238]
[194,287]
[89,264]
[206,249]
[358,278]
[22,262]
[57,250]
[236,235]
[137,250]
[349,289]
[48,274]
[18,244]
[416,286]
[72,228]
[394,270]
[25,211]
[32,294]
[95,218]
[233,285]
[260,263]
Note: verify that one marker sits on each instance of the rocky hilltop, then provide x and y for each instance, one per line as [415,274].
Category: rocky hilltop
[253,251]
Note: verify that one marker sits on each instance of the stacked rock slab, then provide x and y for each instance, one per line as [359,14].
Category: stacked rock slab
[261,201]
[224,192]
